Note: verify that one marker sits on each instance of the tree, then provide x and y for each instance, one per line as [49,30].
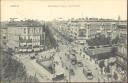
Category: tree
[12,70]
[101,65]
[49,39]
[114,50]
[115,76]
[107,69]
[116,40]
[99,39]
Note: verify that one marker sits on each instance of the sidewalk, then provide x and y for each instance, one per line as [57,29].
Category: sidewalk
[34,68]
[95,70]
[92,66]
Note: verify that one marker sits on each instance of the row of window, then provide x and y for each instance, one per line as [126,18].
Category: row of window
[30,37]
[22,44]
[32,30]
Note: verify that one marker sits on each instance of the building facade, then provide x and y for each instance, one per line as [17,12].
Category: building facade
[90,28]
[26,36]
[122,52]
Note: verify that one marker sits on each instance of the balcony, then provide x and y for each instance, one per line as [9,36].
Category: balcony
[36,48]
[25,48]
[25,41]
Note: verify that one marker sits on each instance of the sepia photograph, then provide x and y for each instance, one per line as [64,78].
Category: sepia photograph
[63,41]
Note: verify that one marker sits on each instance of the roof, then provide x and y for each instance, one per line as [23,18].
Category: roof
[100,56]
[26,23]
[3,25]
[103,55]
[122,26]
[98,21]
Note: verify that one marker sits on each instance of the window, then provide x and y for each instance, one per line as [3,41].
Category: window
[4,37]
[28,30]
[24,38]
[40,30]
[34,30]
[28,37]
[24,30]
[82,32]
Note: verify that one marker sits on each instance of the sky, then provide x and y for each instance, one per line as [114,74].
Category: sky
[48,10]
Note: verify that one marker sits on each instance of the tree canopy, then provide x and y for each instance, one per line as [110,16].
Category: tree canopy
[11,69]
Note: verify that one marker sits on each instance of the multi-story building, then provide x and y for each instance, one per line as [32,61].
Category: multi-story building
[3,34]
[122,51]
[26,36]
[82,30]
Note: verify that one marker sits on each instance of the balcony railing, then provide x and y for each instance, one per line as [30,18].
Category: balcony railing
[25,41]
[36,46]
